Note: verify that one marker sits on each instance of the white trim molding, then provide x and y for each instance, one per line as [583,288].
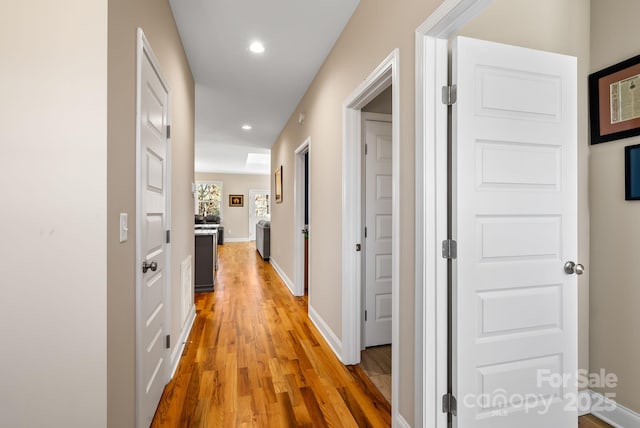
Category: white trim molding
[182,340]
[283,276]
[431,277]
[584,402]
[325,331]
[244,239]
[609,411]
[298,224]
[385,75]
[402,422]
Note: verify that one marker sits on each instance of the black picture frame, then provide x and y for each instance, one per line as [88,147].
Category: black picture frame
[632,172]
[600,106]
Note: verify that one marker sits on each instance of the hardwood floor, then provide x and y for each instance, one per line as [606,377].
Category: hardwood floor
[376,363]
[590,421]
[254,359]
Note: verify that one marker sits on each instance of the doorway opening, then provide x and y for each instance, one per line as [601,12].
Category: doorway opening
[384,78]
[377,219]
[259,209]
[302,223]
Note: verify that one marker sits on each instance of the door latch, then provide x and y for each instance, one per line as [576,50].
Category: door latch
[358,247]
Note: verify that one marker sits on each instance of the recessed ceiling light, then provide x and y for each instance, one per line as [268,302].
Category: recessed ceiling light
[247,127]
[256,47]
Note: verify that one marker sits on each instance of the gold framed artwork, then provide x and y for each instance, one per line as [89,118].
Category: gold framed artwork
[236,200]
[278,185]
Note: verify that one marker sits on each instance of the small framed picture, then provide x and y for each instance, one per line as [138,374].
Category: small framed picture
[236,200]
[632,172]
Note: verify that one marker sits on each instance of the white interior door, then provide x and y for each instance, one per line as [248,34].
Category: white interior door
[515,223]
[378,208]
[152,352]
[259,209]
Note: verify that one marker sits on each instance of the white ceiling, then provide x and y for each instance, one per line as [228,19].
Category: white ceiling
[236,87]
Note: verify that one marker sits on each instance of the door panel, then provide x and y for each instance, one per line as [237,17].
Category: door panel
[514,211]
[378,206]
[152,329]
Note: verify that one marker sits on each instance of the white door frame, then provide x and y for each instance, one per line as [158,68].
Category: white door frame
[252,193]
[298,224]
[431,205]
[144,48]
[385,75]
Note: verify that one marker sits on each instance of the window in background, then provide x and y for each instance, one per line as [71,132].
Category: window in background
[209,198]
[262,205]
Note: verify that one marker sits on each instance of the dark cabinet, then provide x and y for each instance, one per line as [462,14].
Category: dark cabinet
[206,259]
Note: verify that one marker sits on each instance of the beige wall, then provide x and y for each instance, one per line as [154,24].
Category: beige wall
[542,24]
[380,104]
[53,170]
[156,20]
[236,219]
[376,28]
[615,226]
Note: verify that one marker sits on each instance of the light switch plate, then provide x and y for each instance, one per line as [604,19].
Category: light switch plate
[124,227]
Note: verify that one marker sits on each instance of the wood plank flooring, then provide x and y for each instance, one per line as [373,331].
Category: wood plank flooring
[590,421]
[376,363]
[254,359]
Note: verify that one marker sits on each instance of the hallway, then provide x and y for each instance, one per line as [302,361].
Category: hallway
[255,359]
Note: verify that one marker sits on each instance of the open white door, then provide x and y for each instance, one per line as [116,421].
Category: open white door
[378,236]
[514,206]
[152,300]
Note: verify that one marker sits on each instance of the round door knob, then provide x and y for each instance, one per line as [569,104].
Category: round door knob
[571,268]
[146,266]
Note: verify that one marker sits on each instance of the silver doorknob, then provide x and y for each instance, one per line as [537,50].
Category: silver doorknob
[146,266]
[571,268]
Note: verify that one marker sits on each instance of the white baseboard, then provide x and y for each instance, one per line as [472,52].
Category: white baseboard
[283,276]
[401,422]
[182,340]
[584,402]
[612,412]
[246,239]
[332,340]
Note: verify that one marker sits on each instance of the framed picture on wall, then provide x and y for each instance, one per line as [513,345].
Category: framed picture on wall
[236,200]
[614,101]
[278,184]
[632,172]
